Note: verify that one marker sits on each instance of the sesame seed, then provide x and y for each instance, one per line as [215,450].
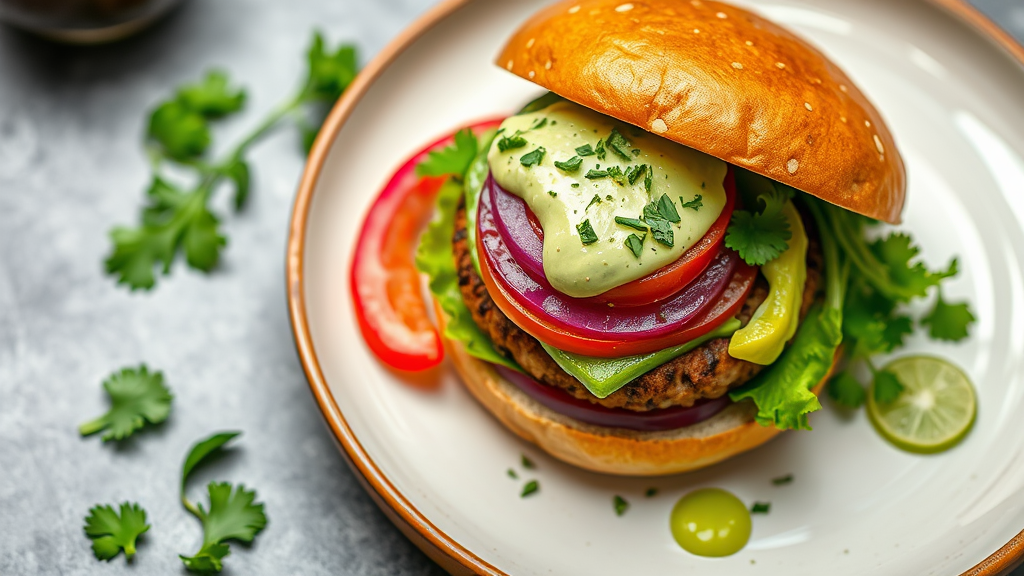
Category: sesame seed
[842,119]
[574,9]
[722,15]
[696,31]
[696,3]
[792,165]
[808,106]
[532,74]
[530,43]
[780,65]
[842,87]
[509,65]
[878,144]
[867,123]
[737,65]
[659,126]
[547,65]
[623,7]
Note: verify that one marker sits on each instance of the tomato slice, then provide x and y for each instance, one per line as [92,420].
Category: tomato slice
[726,306]
[672,278]
[386,287]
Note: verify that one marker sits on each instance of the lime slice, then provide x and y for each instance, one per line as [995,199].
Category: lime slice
[935,410]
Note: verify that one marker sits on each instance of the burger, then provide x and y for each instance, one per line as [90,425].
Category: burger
[646,267]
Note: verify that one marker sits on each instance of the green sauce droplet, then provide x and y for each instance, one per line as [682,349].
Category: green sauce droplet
[710,522]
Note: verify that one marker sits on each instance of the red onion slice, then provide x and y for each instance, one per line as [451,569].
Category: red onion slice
[600,321]
[651,421]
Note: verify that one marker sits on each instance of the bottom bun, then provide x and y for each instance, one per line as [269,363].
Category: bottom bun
[613,450]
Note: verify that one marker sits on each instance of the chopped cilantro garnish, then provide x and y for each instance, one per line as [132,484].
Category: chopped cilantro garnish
[846,391]
[620,505]
[667,209]
[552,193]
[595,200]
[530,488]
[618,144]
[651,492]
[634,223]
[538,124]
[633,173]
[453,159]
[696,204]
[575,184]
[527,463]
[111,532]
[948,321]
[571,165]
[512,474]
[585,150]
[137,397]
[635,151]
[782,480]
[512,142]
[887,387]
[600,150]
[533,158]
[661,228]
[760,507]
[593,174]
[587,234]
[635,244]
[649,179]
[761,237]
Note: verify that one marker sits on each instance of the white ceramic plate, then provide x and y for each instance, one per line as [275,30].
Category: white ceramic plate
[437,461]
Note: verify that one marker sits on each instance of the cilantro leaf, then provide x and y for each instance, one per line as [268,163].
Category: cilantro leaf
[137,397]
[533,158]
[234,514]
[599,150]
[512,142]
[948,321]
[896,252]
[329,74]
[661,228]
[595,200]
[212,97]
[531,487]
[633,173]
[594,174]
[760,237]
[585,150]
[760,507]
[620,505]
[667,209]
[635,244]
[586,231]
[201,450]
[571,165]
[451,160]
[172,220]
[238,171]
[617,143]
[846,391]
[634,223]
[870,322]
[111,533]
[180,132]
[696,204]
[887,387]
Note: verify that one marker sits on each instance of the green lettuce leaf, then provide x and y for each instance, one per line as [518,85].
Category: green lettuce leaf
[603,376]
[434,257]
[473,184]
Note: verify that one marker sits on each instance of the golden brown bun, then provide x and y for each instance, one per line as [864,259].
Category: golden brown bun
[612,450]
[722,80]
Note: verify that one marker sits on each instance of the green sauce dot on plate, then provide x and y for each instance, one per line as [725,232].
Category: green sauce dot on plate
[710,522]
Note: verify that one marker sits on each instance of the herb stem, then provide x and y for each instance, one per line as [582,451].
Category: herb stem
[92,427]
[269,123]
[190,506]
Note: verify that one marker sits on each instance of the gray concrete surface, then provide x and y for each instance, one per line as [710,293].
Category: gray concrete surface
[70,167]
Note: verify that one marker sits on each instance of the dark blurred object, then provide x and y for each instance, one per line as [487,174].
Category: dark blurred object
[83,21]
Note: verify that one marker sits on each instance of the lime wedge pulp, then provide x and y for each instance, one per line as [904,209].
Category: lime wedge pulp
[934,412]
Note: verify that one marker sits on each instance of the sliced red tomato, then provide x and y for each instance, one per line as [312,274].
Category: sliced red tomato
[386,288]
[727,305]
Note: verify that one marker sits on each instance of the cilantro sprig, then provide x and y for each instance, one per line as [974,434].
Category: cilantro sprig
[452,160]
[760,237]
[176,219]
[233,512]
[111,533]
[137,397]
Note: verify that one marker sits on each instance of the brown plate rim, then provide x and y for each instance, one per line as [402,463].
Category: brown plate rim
[434,542]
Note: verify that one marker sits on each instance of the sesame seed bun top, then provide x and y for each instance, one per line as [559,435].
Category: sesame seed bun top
[724,81]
